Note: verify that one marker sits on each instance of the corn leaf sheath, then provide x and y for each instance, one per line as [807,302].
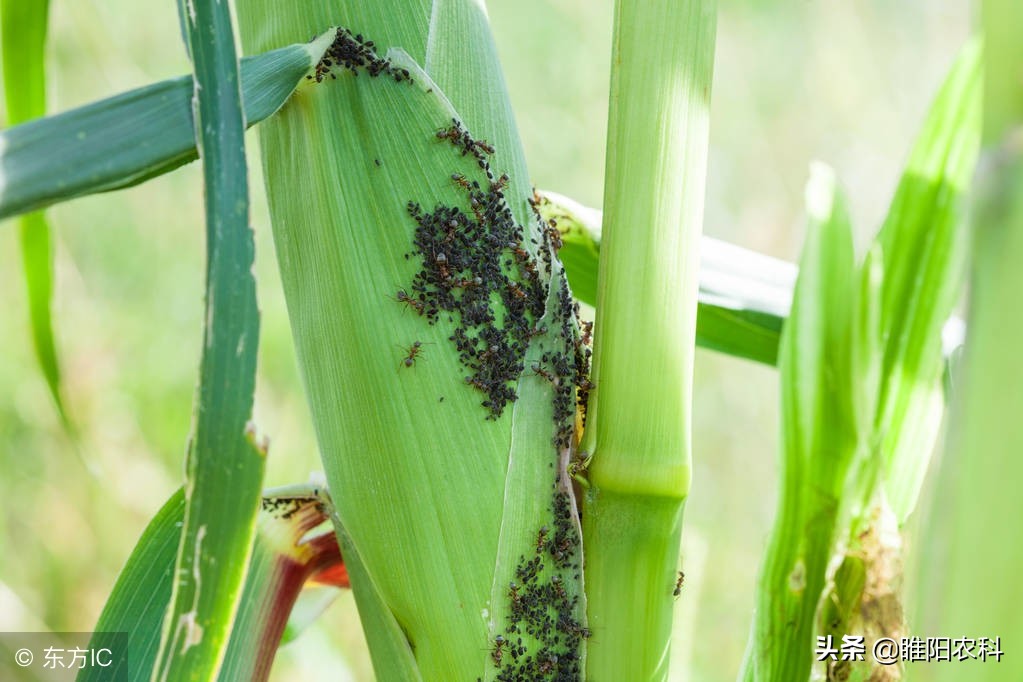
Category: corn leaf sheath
[440,499]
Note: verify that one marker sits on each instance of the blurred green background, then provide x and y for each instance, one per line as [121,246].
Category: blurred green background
[843,82]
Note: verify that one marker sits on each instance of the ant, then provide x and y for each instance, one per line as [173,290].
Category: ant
[466,283]
[538,330]
[461,181]
[546,664]
[498,651]
[520,253]
[538,369]
[409,302]
[587,333]
[499,184]
[441,261]
[541,539]
[413,352]
[513,592]
[554,235]
[678,584]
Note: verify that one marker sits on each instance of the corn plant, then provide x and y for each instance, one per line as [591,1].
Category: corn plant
[504,480]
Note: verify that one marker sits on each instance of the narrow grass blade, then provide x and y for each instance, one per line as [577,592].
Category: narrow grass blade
[744,296]
[819,437]
[924,245]
[218,528]
[282,561]
[23,25]
[638,422]
[131,137]
[24,42]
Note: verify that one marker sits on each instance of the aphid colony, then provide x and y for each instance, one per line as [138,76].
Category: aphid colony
[470,260]
[479,273]
[353,52]
[476,257]
[543,608]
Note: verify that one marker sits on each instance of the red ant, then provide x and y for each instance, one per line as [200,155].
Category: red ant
[539,370]
[554,234]
[413,352]
[409,302]
[498,651]
[499,184]
[441,260]
[476,383]
[538,330]
[466,283]
[541,539]
[520,253]
[587,333]
[461,181]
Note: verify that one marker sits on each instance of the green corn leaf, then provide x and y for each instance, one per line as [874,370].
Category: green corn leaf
[744,296]
[218,529]
[131,137]
[819,439]
[924,244]
[283,559]
[138,602]
[23,24]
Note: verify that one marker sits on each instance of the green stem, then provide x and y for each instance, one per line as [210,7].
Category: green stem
[639,421]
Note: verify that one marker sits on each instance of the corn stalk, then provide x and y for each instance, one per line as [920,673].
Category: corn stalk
[637,438]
